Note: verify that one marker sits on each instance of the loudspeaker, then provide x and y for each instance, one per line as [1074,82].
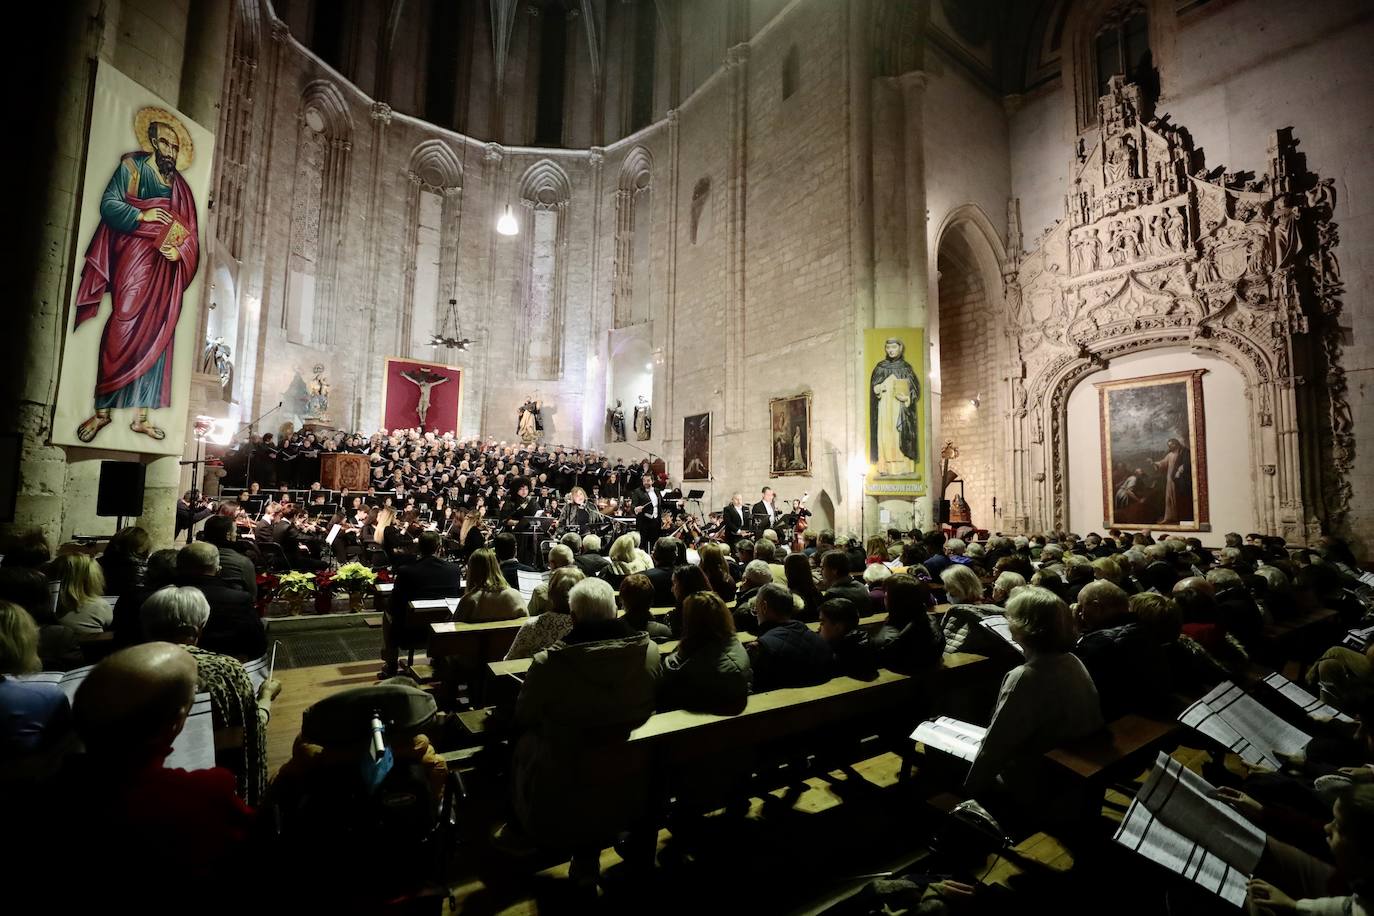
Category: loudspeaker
[944,511]
[121,489]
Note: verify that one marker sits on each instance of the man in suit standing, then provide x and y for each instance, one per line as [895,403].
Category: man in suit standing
[734,519]
[763,514]
[647,505]
[427,577]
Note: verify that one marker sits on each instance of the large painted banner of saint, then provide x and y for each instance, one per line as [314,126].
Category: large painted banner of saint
[894,359]
[1154,452]
[424,396]
[131,332]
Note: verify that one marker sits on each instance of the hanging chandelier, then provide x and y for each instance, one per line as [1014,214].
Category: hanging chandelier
[450,333]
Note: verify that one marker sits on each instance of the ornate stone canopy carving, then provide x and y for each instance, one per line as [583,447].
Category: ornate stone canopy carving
[1155,250]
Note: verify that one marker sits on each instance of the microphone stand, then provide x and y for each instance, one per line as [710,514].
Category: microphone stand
[248,466]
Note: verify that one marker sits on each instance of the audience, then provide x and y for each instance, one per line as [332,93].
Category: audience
[489,595]
[59,647]
[909,639]
[124,560]
[128,627]
[710,670]
[962,585]
[801,581]
[786,653]
[637,598]
[1124,659]
[560,556]
[81,585]
[504,546]
[178,615]
[718,571]
[234,628]
[165,837]
[837,581]
[590,560]
[541,631]
[660,575]
[856,655]
[427,578]
[235,568]
[1043,703]
[572,788]
[34,715]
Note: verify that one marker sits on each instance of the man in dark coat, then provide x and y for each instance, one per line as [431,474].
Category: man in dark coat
[234,627]
[427,578]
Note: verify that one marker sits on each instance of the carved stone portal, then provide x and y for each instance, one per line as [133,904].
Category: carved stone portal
[1156,251]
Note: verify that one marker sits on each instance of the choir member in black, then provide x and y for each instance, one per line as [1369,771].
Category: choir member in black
[647,505]
[517,506]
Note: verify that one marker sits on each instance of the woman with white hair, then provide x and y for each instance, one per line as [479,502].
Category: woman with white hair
[177,614]
[1043,703]
[1004,585]
[574,784]
[626,559]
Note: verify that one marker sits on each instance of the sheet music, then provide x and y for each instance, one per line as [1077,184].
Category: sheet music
[1172,809]
[1237,721]
[1367,578]
[333,533]
[260,669]
[69,681]
[529,582]
[998,624]
[1304,700]
[194,748]
[962,739]
[1358,638]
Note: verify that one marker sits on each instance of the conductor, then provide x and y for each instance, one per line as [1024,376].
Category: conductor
[647,505]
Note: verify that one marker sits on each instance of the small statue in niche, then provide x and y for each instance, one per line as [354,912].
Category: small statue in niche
[217,357]
[643,420]
[617,421]
[1174,227]
[317,403]
[529,421]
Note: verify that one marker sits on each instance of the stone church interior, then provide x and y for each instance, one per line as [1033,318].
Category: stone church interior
[787,456]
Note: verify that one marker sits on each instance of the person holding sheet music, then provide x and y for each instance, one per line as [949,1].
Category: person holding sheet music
[178,615]
[1043,703]
[427,578]
[1127,664]
[167,837]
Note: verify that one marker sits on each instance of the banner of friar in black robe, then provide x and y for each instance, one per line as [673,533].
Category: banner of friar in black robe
[894,411]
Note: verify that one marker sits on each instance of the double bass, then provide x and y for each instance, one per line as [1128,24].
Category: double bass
[800,523]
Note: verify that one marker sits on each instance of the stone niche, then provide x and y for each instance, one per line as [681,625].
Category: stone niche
[1156,250]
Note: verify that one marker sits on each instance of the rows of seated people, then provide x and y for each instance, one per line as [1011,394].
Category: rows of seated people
[1105,627]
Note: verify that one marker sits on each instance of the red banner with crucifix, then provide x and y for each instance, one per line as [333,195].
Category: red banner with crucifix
[421,395]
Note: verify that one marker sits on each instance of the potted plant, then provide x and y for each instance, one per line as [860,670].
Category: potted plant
[356,579]
[295,586]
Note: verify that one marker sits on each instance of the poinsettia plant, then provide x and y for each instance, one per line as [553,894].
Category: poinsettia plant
[296,583]
[353,577]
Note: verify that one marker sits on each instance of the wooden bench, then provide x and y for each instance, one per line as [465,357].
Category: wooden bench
[1122,748]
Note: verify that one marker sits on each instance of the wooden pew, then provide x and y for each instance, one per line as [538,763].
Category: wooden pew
[518,666]
[1121,749]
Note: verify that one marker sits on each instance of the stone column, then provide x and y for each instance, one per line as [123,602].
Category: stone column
[368,407]
[737,71]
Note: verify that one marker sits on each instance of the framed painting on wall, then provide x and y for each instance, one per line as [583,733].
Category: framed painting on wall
[696,447]
[1154,452]
[790,440]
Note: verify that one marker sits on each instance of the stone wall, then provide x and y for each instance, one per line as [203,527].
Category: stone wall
[1233,73]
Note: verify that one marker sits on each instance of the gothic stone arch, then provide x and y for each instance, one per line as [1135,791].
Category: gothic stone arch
[1154,251]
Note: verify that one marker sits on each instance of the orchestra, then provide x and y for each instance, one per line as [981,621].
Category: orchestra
[466,490]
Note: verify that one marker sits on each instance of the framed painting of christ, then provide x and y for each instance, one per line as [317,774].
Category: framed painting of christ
[132,327]
[1154,453]
[424,396]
